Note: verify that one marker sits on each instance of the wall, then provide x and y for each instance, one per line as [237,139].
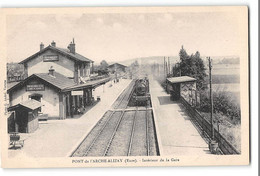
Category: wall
[50,99]
[63,66]
[186,91]
[33,123]
[84,71]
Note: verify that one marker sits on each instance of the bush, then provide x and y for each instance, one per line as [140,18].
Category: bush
[223,103]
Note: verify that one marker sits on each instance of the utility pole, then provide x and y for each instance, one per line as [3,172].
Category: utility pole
[211,100]
[169,66]
[158,68]
[213,144]
[164,66]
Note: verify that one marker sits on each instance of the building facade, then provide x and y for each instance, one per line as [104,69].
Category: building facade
[58,79]
[65,61]
[116,67]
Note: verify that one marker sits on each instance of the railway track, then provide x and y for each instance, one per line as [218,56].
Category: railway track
[121,132]
[123,99]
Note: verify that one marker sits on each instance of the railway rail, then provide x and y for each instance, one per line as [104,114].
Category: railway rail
[121,132]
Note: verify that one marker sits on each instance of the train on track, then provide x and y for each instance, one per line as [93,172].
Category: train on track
[141,93]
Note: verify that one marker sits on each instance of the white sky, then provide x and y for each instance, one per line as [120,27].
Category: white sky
[117,37]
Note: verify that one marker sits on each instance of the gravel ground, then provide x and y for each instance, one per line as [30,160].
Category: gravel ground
[122,100]
[91,136]
[121,140]
[152,137]
[100,144]
[120,143]
[139,146]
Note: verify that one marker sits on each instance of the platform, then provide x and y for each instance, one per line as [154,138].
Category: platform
[175,131]
[58,138]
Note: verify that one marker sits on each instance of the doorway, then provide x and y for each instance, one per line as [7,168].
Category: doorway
[21,121]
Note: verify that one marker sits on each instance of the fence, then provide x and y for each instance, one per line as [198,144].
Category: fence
[205,126]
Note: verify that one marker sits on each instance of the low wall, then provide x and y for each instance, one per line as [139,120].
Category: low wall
[205,126]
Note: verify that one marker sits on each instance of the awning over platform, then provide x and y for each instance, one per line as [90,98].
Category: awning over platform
[180,79]
[29,104]
[90,84]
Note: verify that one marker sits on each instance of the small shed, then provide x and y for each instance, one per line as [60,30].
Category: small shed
[183,86]
[26,116]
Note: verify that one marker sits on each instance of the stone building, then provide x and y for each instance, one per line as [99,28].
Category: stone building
[57,78]
[116,67]
[65,61]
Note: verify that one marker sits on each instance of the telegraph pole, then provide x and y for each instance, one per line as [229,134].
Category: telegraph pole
[164,66]
[213,145]
[211,100]
[157,69]
[169,66]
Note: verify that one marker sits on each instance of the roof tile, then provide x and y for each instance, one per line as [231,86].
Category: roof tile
[58,80]
[30,104]
[75,56]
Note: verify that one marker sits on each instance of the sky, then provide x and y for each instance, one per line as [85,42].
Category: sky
[122,36]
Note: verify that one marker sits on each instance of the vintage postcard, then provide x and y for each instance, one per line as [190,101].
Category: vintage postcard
[124,86]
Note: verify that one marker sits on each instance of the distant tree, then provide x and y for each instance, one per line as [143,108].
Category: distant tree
[102,69]
[135,64]
[229,61]
[103,65]
[192,66]
[183,54]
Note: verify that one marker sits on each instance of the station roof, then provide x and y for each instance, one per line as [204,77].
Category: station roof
[91,84]
[29,104]
[180,79]
[112,65]
[58,80]
[11,85]
[63,51]
[61,82]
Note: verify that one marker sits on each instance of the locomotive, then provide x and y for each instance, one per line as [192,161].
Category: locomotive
[141,93]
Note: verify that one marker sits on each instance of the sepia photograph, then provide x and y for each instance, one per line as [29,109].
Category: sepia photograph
[125,86]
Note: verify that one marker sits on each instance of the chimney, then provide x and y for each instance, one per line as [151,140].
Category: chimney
[41,46]
[53,44]
[72,47]
[51,71]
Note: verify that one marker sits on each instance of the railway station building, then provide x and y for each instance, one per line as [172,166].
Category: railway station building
[116,67]
[118,70]
[59,79]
